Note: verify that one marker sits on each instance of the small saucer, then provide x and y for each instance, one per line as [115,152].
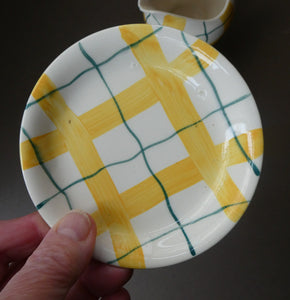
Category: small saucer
[152,132]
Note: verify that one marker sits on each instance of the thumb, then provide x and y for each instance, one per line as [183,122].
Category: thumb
[58,262]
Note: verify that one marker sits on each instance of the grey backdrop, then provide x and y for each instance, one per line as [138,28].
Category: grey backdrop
[252,261]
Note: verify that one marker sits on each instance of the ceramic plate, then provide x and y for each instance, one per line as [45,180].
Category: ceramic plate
[152,132]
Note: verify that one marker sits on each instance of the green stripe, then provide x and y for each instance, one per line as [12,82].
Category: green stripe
[252,164]
[152,16]
[216,28]
[177,228]
[41,163]
[145,148]
[58,89]
[156,20]
[205,31]
[90,59]
[90,69]
[147,17]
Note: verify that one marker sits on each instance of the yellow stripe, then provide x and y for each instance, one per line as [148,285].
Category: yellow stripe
[87,159]
[225,17]
[133,101]
[48,145]
[252,143]
[146,195]
[174,22]
[181,112]
[185,65]
[183,175]
[100,223]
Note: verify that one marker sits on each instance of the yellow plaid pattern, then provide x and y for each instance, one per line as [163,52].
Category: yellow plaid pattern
[206,162]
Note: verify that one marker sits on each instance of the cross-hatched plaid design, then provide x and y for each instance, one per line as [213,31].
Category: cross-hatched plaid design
[80,141]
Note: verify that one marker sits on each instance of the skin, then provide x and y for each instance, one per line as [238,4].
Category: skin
[41,263]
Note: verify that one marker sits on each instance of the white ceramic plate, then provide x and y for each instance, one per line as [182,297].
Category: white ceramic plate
[152,132]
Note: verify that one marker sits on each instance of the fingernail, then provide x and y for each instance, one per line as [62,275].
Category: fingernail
[75,225]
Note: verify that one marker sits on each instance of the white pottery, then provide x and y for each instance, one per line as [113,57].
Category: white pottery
[151,131]
[205,19]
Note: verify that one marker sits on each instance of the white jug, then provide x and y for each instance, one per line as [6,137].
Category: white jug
[205,19]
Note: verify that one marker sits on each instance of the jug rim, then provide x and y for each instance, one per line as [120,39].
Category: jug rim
[174,14]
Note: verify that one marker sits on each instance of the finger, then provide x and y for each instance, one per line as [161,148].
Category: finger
[3,271]
[27,233]
[98,280]
[122,294]
[11,270]
[102,279]
[79,291]
[56,264]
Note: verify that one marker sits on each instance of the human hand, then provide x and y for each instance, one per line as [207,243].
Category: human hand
[38,263]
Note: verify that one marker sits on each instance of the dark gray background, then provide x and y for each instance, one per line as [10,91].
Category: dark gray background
[252,261]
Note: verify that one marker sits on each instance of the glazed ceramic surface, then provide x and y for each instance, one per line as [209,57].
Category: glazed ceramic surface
[205,19]
[151,131]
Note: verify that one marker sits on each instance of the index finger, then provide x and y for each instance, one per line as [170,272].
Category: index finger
[20,237]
